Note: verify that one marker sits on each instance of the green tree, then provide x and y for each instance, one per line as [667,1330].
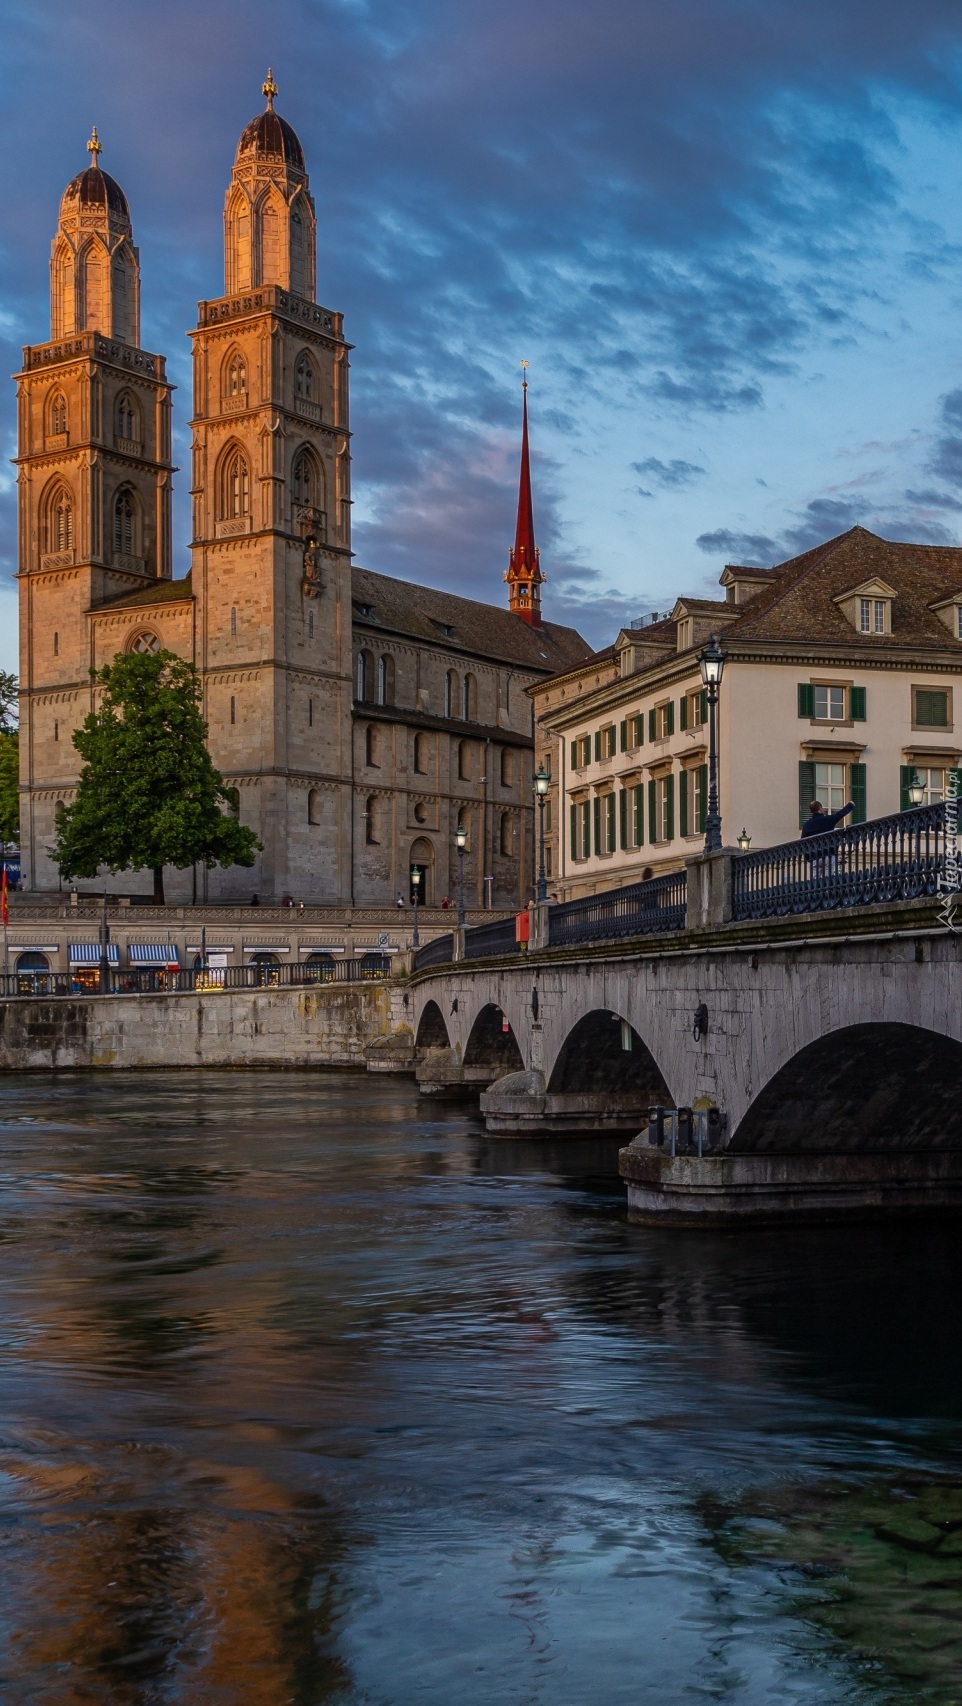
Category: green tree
[9,689]
[9,785]
[148,794]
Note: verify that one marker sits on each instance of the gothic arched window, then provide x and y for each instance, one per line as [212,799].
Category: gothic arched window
[371,747]
[370,821]
[57,417]
[127,424]
[305,379]
[450,694]
[469,698]
[235,486]
[304,482]
[364,676]
[235,375]
[125,523]
[505,835]
[314,806]
[57,528]
[385,681]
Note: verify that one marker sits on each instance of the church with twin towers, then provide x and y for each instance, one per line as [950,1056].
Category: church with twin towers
[358,719]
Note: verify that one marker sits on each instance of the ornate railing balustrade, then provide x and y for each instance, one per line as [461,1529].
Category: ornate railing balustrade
[366,968]
[440,952]
[890,858]
[640,909]
[487,939]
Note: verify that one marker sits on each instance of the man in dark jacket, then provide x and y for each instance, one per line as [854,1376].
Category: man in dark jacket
[822,821]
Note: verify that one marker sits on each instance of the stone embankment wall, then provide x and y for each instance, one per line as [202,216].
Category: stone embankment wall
[319,1026]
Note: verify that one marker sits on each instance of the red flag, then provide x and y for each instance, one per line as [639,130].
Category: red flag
[4,900]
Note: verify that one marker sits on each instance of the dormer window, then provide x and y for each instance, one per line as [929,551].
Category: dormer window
[949,612]
[868,607]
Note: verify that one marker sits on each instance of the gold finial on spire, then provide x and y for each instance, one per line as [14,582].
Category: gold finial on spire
[95,147]
[524,375]
[269,88]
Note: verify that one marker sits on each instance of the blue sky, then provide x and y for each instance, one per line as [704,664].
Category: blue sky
[727,236]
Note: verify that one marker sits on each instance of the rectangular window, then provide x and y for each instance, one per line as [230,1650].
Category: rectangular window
[610,809]
[831,786]
[608,747]
[879,616]
[958,620]
[931,708]
[663,720]
[623,819]
[597,817]
[829,704]
[694,708]
[573,826]
[310,713]
[233,709]
[663,828]
[56,645]
[638,814]
[864,615]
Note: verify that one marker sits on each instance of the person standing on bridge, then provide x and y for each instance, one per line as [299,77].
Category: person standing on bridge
[822,821]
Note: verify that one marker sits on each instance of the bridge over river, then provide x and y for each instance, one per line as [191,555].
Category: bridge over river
[792,1016]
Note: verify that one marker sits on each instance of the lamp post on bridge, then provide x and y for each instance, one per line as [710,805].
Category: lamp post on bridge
[712,666]
[542,783]
[461,838]
[416,889]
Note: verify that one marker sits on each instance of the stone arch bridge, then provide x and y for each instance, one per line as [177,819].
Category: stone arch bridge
[829,1046]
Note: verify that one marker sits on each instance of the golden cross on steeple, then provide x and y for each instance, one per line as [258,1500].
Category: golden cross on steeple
[95,147]
[269,88]
[524,375]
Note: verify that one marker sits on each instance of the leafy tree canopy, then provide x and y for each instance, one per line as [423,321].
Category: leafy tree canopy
[9,786]
[148,794]
[9,690]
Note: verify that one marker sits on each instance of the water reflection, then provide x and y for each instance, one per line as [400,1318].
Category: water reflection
[310,1393]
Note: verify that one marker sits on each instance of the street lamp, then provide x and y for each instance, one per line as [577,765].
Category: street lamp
[712,665]
[744,841]
[416,886]
[461,837]
[916,789]
[542,783]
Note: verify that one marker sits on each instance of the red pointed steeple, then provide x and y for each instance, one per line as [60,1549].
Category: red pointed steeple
[524,574]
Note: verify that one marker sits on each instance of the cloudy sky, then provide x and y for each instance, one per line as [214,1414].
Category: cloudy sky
[726,234]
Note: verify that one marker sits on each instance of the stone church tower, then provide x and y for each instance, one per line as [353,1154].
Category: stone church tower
[94,484]
[271,551]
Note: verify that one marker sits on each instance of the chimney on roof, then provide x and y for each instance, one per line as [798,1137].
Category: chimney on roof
[523,573]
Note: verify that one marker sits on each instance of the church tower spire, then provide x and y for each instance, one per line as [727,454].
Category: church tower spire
[524,574]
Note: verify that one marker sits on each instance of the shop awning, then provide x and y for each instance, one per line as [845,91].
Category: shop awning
[152,954]
[88,954]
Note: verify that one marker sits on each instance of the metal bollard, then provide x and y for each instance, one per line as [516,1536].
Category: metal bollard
[656,1127]
[684,1119]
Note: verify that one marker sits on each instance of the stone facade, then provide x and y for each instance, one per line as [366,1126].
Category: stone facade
[359,719]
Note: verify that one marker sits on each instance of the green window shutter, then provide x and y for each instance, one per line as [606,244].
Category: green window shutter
[574,832]
[857,704]
[610,842]
[623,732]
[856,784]
[701,798]
[906,772]
[639,793]
[640,729]
[932,709]
[597,814]
[669,808]
[652,812]
[683,783]
[683,712]
[670,717]
[651,724]
[597,745]
[623,823]
[585,829]
[806,790]
[704,704]
[574,755]
[806,699]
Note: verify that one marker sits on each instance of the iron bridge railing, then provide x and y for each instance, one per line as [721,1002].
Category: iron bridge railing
[487,939]
[437,953]
[888,859]
[85,980]
[640,909]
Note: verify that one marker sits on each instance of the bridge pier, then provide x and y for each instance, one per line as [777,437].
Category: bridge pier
[521,1105]
[730,1187]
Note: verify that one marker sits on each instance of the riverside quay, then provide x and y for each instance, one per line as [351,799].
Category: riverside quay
[773,1033]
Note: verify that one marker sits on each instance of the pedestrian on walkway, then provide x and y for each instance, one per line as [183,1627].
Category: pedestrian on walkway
[822,821]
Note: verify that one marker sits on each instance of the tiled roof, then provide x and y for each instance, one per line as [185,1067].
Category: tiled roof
[799,602]
[463,624]
[158,592]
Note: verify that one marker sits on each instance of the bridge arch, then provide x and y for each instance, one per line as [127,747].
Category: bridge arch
[603,1055]
[432,1032]
[492,1044]
[869,1086]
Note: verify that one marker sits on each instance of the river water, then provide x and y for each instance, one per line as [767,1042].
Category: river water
[311,1393]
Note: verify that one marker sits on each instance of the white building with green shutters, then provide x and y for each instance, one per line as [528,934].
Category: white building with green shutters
[840,674]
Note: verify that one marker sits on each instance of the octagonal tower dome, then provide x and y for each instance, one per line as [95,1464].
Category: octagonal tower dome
[269,224]
[94,266]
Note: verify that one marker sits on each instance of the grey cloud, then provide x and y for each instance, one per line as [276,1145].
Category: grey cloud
[666,476]
[746,548]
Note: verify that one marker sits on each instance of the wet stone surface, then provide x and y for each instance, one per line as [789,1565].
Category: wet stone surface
[311,1393]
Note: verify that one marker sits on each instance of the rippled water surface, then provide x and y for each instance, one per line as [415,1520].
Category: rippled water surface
[312,1393]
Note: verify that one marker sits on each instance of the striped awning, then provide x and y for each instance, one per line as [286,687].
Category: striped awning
[88,954]
[152,954]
